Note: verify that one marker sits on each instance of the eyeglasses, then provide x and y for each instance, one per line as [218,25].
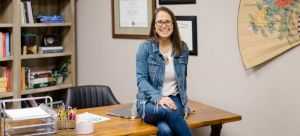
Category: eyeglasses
[160,23]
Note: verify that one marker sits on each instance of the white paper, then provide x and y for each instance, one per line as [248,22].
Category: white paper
[133,13]
[86,117]
[186,33]
[26,113]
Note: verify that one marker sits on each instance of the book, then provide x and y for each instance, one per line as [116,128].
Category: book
[34,73]
[51,49]
[7,43]
[3,44]
[5,79]
[32,102]
[8,75]
[26,12]
[23,79]
[27,76]
[40,74]
[23,16]
[41,85]
[2,90]
[42,80]
[29,11]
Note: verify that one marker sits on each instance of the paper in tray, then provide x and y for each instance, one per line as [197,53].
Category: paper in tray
[26,113]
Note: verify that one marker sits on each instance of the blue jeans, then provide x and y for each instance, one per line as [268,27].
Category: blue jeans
[169,122]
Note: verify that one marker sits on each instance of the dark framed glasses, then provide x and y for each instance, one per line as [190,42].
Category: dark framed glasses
[160,23]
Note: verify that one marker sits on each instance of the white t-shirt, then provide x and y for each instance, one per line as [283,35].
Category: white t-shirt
[170,84]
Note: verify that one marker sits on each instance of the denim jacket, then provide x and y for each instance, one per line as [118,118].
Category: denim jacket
[150,72]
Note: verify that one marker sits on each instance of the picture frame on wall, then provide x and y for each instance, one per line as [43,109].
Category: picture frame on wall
[131,19]
[165,2]
[187,26]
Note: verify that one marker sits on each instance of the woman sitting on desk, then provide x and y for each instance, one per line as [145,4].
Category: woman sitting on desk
[161,64]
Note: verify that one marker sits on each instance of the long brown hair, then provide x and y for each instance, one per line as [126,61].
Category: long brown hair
[175,37]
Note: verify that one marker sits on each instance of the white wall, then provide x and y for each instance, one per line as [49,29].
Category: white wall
[266,97]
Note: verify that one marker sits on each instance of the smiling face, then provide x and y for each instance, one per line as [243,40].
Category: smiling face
[163,25]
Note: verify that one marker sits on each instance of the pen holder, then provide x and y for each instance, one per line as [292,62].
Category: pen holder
[68,124]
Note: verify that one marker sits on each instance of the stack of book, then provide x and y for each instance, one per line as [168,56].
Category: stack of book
[50,49]
[39,79]
[3,84]
[4,44]
[4,79]
[26,12]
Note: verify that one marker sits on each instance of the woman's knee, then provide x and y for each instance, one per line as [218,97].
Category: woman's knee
[164,129]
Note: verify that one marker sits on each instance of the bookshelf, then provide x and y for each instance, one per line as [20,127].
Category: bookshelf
[12,21]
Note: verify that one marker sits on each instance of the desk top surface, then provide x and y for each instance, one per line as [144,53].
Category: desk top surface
[204,115]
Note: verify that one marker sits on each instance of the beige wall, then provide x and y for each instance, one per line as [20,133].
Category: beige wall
[267,97]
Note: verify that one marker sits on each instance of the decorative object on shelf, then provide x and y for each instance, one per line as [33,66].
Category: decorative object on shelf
[187,26]
[50,44]
[50,40]
[28,42]
[132,18]
[266,29]
[30,49]
[28,38]
[162,2]
[61,72]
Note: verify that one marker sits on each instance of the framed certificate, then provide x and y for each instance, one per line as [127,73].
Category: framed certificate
[187,26]
[132,18]
[162,2]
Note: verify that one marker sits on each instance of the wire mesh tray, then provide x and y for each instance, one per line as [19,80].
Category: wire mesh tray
[40,120]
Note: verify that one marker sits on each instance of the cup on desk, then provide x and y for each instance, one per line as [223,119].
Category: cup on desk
[84,127]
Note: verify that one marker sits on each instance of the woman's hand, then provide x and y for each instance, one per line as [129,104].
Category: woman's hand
[167,101]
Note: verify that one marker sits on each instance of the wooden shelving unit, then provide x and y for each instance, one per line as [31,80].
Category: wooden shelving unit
[4,25]
[50,55]
[10,20]
[47,25]
[51,88]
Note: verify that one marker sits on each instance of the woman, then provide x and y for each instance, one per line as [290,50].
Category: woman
[161,64]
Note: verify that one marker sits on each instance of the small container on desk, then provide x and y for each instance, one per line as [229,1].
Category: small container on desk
[66,117]
[68,124]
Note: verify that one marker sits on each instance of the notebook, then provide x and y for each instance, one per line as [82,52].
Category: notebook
[123,112]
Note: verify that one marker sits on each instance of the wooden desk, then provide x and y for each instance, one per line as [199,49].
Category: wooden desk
[204,116]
